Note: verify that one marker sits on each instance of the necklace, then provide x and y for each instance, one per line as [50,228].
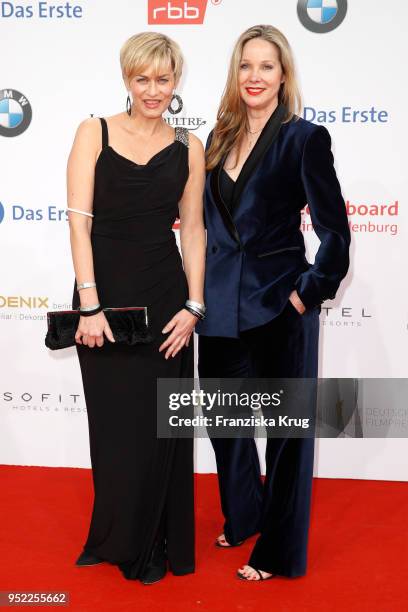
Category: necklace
[251,141]
[256,131]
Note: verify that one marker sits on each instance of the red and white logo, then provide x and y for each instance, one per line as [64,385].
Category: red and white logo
[176,11]
[371,218]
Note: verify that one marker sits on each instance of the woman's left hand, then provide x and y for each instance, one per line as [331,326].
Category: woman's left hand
[182,325]
[297,302]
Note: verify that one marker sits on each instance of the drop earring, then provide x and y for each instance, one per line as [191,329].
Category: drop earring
[179,102]
[128,106]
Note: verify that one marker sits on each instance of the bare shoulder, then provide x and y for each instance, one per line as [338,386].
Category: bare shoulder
[87,142]
[88,126]
[195,142]
[196,156]
[118,118]
[88,134]
[196,149]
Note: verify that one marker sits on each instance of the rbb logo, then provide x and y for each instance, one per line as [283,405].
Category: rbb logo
[176,11]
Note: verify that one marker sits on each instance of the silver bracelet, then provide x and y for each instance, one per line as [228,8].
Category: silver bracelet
[81,212]
[195,312]
[88,308]
[86,286]
[200,307]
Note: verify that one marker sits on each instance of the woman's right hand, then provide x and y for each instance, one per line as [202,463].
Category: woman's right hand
[91,330]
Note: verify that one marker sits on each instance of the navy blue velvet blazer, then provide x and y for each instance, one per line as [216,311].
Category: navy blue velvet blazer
[255,252]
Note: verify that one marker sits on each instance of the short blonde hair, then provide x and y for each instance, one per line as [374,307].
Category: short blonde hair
[150,49]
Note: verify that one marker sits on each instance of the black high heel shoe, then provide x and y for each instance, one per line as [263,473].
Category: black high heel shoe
[156,569]
[85,559]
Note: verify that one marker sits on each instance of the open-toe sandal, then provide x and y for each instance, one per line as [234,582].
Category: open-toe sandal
[259,573]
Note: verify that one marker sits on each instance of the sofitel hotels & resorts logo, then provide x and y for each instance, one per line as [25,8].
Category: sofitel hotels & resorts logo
[41,402]
[345,315]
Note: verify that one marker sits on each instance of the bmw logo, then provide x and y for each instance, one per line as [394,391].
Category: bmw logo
[321,15]
[15,112]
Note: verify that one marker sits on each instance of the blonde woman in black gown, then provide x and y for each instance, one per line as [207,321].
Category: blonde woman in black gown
[129,176]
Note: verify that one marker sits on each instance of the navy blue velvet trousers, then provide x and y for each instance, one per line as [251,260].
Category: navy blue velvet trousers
[279,508]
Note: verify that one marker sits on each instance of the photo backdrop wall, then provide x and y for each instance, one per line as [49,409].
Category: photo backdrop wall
[60,64]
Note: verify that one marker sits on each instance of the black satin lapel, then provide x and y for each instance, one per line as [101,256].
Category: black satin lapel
[219,202]
[266,138]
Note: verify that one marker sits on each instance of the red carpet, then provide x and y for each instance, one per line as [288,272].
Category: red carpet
[358,554]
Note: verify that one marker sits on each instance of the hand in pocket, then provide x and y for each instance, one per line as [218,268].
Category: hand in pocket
[297,302]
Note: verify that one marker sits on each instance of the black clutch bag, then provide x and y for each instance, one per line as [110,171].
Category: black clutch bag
[129,325]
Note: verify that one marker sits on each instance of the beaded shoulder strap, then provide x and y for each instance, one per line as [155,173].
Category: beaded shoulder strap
[182,135]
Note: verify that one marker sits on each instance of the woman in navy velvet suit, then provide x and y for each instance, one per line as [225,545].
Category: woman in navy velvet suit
[262,296]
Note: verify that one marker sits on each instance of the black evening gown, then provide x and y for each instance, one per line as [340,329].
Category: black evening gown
[143,485]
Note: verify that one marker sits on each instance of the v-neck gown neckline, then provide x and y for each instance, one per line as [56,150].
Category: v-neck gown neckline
[153,157]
